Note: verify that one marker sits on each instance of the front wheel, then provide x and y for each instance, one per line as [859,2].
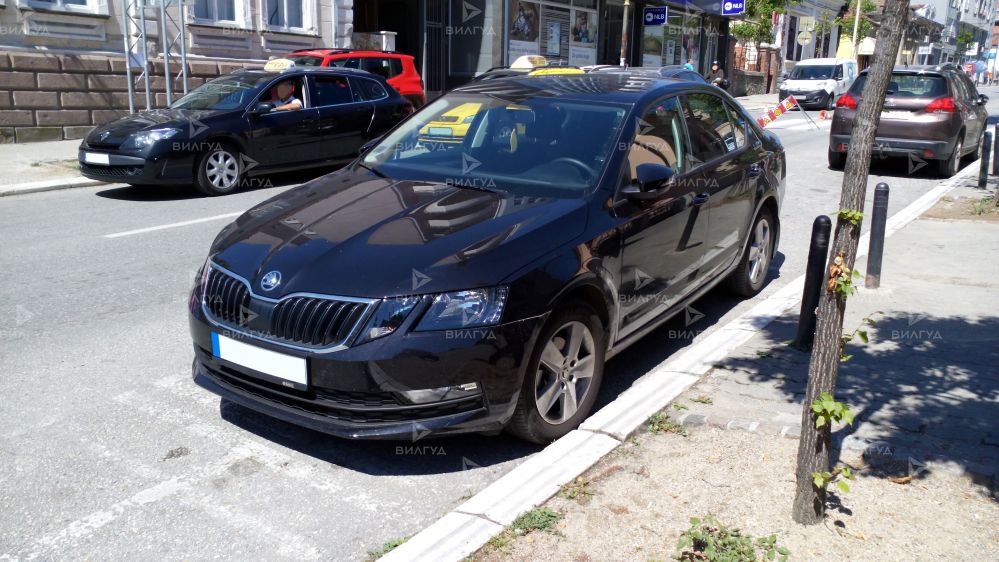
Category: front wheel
[831,103]
[219,171]
[563,376]
[748,278]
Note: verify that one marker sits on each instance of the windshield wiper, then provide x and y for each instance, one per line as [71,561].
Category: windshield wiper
[372,170]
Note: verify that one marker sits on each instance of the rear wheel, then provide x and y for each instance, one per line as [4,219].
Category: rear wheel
[748,278]
[219,170]
[950,166]
[837,160]
[563,376]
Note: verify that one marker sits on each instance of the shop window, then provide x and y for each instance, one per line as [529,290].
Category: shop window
[210,11]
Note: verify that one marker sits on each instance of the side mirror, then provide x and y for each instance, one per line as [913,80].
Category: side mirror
[651,179]
[261,108]
[983,99]
[368,145]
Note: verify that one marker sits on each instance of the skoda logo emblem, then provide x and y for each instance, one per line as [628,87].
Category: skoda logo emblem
[270,280]
[104,135]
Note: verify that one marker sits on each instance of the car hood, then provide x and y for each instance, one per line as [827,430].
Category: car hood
[356,234]
[115,132]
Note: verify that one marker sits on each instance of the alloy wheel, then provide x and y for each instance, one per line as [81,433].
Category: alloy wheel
[565,372]
[955,161]
[759,251]
[222,169]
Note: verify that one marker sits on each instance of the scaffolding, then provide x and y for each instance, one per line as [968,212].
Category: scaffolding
[173,46]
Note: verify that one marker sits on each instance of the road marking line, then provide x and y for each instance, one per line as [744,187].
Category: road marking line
[172,225]
[502,500]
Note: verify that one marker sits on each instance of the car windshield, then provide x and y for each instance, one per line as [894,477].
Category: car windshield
[536,146]
[306,60]
[227,92]
[909,85]
[811,72]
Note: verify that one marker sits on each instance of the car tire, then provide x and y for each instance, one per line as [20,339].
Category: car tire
[555,375]
[831,103]
[947,168]
[750,275]
[219,170]
[837,160]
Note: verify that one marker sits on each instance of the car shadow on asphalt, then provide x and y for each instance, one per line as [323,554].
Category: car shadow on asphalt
[924,389]
[157,193]
[430,455]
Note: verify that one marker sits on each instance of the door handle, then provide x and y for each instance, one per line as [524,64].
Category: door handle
[701,198]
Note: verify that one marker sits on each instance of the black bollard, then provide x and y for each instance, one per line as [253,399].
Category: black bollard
[995,152]
[983,171]
[818,252]
[877,248]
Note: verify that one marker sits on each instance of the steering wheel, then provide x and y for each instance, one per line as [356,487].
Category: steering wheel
[587,172]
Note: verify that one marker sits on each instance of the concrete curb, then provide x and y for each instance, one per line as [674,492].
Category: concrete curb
[48,185]
[473,523]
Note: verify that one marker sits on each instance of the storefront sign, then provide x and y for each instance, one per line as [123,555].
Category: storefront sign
[655,15]
[772,114]
[924,50]
[733,7]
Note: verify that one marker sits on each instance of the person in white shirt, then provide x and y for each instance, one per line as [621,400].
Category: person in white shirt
[286,100]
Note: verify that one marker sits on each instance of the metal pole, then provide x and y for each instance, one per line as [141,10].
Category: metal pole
[183,43]
[877,247]
[166,52]
[983,170]
[818,251]
[141,5]
[624,34]
[126,33]
[995,152]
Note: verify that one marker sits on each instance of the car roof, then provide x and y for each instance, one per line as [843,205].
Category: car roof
[347,52]
[335,70]
[922,69]
[826,61]
[606,87]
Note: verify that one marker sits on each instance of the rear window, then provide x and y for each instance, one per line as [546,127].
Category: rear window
[385,67]
[909,85]
[812,72]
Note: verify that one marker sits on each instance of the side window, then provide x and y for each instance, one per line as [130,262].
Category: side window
[396,68]
[369,89]
[738,129]
[379,66]
[659,138]
[960,87]
[332,90]
[711,133]
[838,74]
[969,86]
[352,62]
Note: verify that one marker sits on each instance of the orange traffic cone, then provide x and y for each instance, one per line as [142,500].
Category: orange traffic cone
[823,115]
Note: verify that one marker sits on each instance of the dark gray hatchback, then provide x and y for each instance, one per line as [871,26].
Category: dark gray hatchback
[930,113]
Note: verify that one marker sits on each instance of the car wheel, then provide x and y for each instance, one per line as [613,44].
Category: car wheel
[219,171]
[837,160]
[950,166]
[563,376]
[748,278]
[831,103]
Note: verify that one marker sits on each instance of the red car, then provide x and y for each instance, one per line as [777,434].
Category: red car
[397,68]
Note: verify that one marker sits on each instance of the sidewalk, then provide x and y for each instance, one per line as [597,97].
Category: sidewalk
[925,442]
[40,166]
[758,102]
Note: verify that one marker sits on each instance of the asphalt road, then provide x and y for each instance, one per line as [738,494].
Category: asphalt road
[108,451]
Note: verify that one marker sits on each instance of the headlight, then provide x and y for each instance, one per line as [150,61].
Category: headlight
[145,139]
[465,309]
[389,315]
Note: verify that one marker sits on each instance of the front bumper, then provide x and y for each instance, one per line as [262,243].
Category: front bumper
[816,98]
[884,147]
[356,392]
[163,169]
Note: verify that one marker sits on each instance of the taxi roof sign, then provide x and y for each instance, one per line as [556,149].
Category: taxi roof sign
[529,61]
[277,65]
[550,71]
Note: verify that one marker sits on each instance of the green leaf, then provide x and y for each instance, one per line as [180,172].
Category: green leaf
[863,336]
[842,486]
[820,420]
[771,555]
[817,480]
[848,417]
[695,521]
[783,551]
[845,358]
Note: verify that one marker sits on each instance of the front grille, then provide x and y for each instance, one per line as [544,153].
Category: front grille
[306,321]
[335,405]
[111,171]
[314,321]
[227,298]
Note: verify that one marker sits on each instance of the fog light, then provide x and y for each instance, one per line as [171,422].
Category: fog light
[439,394]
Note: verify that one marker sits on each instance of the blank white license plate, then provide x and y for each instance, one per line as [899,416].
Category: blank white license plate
[288,368]
[896,114]
[440,131]
[96,158]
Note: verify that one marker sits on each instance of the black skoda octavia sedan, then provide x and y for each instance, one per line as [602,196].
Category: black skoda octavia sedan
[236,126]
[479,284]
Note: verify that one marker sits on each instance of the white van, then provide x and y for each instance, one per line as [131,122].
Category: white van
[819,82]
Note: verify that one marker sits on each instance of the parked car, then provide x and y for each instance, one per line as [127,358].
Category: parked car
[930,112]
[480,286]
[229,129]
[819,82]
[399,69]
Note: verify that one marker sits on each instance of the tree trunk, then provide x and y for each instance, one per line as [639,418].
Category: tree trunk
[813,447]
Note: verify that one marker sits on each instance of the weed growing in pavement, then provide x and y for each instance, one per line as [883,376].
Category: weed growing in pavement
[707,539]
[678,406]
[388,547]
[578,489]
[983,206]
[538,519]
[703,399]
[660,423]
